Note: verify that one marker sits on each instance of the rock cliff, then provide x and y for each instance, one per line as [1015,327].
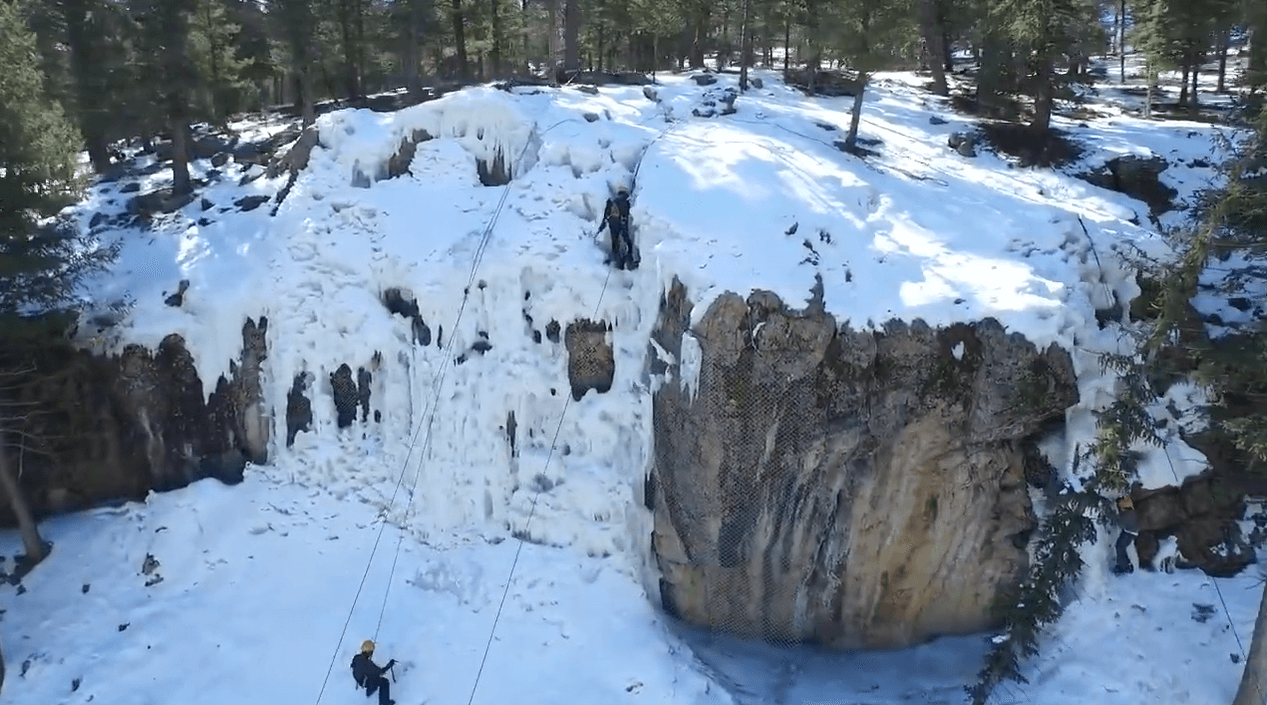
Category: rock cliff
[139,421]
[850,488]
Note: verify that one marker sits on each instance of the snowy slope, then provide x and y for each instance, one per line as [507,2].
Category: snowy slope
[760,199]
[256,585]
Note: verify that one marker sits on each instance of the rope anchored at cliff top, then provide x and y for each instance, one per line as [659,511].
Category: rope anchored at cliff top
[437,384]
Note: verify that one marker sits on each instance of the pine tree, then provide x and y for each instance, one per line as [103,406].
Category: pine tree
[213,49]
[1044,30]
[168,69]
[41,265]
[870,35]
[38,146]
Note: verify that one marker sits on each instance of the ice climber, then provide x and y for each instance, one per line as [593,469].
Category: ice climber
[1129,522]
[616,215]
[369,675]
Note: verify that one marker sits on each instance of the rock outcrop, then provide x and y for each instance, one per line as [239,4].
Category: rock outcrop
[1137,177]
[1202,514]
[849,488]
[591,360]
[140,421]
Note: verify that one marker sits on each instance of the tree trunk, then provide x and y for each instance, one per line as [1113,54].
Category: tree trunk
[990,75]
[933,44]
[1148,91]
[1222,49]
[413,50]
[179,76]
[1121,42]
[343,11]
[855,115]
[572,35]
[1194,106]
[1183,86]
[1253,687]
[787,39]
[179,127]
[495,51]
[552,41]
[307,106]
[87,67]
[744,47]
[218,108]
[526,64]
[699,39]
[358,47]
[1043,96]
[298,19]
[598,31]
[32,542]
[459,38]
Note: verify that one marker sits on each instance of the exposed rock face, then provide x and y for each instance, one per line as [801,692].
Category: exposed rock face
[1202,515]
[298,409]
[402,303]
[142,424]
[1137,177]
[849,488]
[591,361]
[345,395]
[398,164]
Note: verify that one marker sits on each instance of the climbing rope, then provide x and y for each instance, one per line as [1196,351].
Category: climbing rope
[549,456]
[437,383]
[478,259]
[1218,591]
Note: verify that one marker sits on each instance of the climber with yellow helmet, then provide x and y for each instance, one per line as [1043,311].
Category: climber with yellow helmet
[369,675]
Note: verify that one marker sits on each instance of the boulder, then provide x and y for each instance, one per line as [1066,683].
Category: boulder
[591,360]
[1138,177]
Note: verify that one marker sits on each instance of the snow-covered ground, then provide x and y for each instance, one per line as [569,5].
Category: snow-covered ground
[762,198]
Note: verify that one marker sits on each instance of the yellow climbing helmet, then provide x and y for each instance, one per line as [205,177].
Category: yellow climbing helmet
[367,647]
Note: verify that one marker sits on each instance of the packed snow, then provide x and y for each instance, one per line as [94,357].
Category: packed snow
[253,584]
[266,572]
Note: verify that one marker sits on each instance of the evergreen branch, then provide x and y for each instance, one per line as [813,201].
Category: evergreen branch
[1036,604]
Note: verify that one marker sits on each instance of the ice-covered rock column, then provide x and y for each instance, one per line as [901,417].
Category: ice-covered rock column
[464,337]
[857,489]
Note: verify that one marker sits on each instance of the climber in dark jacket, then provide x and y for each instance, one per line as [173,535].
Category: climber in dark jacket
[1129,523]
[369,676]
[616,215]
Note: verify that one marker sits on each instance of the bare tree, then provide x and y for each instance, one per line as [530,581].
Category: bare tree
[13,416]
[31,539]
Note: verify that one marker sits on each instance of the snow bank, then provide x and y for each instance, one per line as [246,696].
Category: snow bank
[267,573]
